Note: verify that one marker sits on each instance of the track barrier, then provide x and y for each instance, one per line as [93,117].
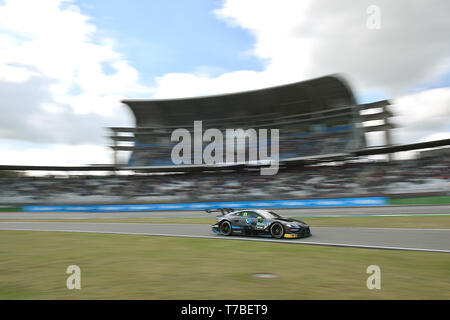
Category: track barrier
[310,203]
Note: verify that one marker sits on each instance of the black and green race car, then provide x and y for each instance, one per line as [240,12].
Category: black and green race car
[263,223]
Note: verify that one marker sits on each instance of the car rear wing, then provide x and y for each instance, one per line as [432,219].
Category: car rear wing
[223,211]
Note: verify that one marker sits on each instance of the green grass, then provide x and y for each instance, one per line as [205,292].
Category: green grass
[421,200]
[422,221]
[33,265]
[10,209]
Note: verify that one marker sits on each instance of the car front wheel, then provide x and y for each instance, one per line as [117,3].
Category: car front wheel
[225,228]
[277,230]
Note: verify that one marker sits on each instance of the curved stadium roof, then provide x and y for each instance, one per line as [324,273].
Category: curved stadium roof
[280,102]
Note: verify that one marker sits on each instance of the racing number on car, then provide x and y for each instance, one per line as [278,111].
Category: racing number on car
[247,220]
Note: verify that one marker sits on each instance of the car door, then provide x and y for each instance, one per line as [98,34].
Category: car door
[241,220]
[259,222]
[250,218]
[236,219]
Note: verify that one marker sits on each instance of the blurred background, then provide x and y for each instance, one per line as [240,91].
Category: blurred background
[92,90]
[323,153]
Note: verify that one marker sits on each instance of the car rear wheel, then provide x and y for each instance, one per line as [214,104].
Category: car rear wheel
[277,230]
[225,228]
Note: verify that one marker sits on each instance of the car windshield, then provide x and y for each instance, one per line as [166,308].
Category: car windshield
[272,214]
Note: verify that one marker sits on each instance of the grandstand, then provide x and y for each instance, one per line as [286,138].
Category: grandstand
[320,180]
[315,118]
[323,153]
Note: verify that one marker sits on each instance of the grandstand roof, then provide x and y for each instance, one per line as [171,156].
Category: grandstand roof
[320,94]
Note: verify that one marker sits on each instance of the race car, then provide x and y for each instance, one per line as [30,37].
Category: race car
[259,223]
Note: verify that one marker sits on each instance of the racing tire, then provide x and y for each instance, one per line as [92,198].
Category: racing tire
[277,230]
[225,228]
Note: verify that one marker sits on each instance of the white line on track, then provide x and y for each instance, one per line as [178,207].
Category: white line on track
[374,228]
[374,215]
[238,238]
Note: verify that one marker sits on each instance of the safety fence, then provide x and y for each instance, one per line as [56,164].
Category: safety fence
[310,203]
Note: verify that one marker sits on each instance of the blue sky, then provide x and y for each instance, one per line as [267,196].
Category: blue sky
[66,65]
[161,36]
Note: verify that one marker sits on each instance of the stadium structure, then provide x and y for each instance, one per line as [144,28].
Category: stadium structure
[317,119]
[322,153]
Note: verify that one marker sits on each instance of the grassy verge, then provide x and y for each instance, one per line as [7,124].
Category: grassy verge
[10,209]
[432,221]
[33,266]
[421,200]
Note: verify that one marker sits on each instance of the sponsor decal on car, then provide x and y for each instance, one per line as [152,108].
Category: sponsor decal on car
[288,235]
[260,225]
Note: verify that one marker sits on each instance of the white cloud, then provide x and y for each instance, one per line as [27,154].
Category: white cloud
[58,42]
[53,87]
[300,40]
[55,154]
[10,73]
[422,116]
[175,85]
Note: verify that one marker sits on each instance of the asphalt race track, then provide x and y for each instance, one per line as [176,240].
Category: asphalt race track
[297,212]
[437,240]
[382,238]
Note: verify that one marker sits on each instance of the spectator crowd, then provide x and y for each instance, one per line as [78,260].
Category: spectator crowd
[319,181]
